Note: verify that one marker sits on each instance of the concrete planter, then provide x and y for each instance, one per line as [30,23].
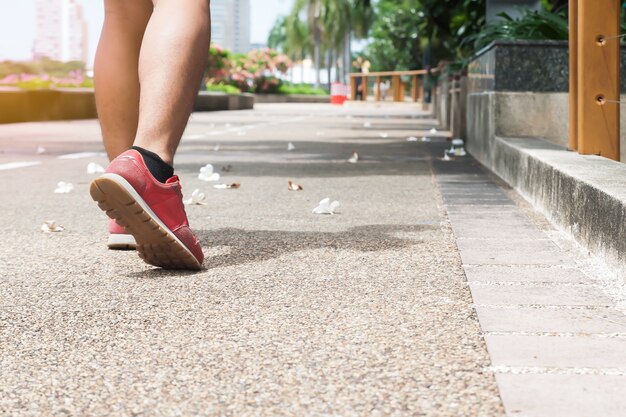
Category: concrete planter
[520,88]
[18,106]
[290,98]
[210,101]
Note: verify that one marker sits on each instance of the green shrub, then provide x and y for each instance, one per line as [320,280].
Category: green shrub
[303,89]
[223,88]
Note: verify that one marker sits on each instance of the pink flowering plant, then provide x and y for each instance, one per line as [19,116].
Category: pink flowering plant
[258,71]
[75,79]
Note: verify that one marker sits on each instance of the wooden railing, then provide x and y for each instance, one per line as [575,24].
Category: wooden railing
[595,77]
[398,91]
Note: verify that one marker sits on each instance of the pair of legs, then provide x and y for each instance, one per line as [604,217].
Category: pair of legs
[149,63]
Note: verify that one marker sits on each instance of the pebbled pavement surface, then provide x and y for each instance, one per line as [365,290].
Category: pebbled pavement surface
[363,313]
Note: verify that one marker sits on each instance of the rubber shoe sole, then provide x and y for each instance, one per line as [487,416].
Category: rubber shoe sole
[156,244]
[121,242]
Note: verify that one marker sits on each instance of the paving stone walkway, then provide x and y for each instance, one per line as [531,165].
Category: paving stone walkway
[434,291]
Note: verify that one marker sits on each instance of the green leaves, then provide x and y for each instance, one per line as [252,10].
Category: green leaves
[533,25]
[407,34]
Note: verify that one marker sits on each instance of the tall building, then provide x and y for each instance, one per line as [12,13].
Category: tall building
[230,24]
[62,31]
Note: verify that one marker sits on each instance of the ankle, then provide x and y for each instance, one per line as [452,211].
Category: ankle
[160,169]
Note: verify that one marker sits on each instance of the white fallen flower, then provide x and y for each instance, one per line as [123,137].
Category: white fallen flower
[94,168]
[425,139]
[207,174]
[367,124]
[433,130]
[292,186]
[41,150]
[446,157]
[326,207]
[411,139]
[383,135]
[290,146]
[196,198]
[232,186]
[354,158]
[216,148]
[51,227]
[64,187]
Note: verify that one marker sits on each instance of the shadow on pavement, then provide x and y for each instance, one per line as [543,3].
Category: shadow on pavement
[248,246]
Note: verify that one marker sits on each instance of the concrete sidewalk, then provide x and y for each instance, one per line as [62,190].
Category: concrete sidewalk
[364,313]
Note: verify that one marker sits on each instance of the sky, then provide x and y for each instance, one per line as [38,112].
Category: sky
[17,24]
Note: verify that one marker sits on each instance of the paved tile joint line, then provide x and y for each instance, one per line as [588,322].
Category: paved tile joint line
[545,322]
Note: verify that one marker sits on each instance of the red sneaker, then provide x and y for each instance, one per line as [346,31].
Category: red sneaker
[119,238]
[151,211]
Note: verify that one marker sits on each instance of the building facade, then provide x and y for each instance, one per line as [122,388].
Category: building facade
[230,24]
[62,31]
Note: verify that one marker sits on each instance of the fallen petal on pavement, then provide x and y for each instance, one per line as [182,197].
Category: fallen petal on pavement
[326,207]
[51,227]
[94,168]
[41,150]
[233,186]
[294,187]
[354,158]
[64,187]
[196,198]
[207,174]
[411,139]
[290,146]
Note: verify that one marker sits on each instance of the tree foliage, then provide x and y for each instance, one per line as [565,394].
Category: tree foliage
[411,34]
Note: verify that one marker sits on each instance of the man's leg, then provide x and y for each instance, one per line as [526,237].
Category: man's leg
[173,57]
[138,188]
[116,72]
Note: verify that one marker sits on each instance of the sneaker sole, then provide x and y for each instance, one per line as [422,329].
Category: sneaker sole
[156,244]
[121,242]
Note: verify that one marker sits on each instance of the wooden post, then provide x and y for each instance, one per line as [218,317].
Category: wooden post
[395,81]
[573,75]
[353,87]
[414,88]
[364,87]
[598,78]
[378,88]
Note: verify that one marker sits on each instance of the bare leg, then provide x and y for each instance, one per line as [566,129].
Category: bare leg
[173,57]
[116,72]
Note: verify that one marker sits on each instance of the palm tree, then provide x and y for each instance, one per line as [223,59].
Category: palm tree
[345,20]
[277,38]
[332,24]
[314,14]
[290,36]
